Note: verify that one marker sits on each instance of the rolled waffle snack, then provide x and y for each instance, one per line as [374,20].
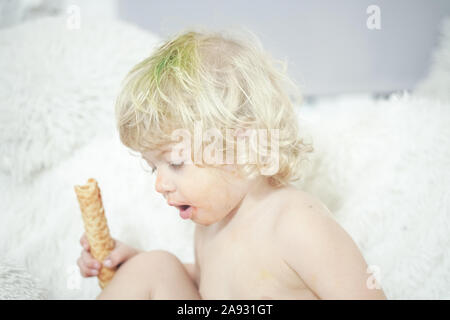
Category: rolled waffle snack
[96,227]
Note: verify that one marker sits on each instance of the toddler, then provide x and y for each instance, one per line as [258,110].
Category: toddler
[212,115]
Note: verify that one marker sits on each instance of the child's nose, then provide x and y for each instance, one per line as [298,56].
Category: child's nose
[162,185]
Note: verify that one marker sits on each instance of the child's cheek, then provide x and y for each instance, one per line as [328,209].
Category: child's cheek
[205,192]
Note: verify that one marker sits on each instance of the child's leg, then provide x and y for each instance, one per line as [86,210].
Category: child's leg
[155,275]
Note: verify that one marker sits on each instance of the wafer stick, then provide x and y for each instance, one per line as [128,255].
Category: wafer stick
[96,227]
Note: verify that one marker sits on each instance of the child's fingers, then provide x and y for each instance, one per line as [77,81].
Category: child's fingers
[120,254]
[84,270]
[89,261]
[84,242]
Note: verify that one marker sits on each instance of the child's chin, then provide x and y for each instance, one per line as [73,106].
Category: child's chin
[204,222]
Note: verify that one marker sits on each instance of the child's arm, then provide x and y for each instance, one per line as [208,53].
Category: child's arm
[191,269]
[323,254]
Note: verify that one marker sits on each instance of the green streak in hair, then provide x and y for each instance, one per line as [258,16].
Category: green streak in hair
[179,54]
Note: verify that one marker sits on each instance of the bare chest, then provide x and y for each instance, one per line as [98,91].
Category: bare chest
[244,263]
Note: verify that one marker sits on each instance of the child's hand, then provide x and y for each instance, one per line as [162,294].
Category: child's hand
[90,267]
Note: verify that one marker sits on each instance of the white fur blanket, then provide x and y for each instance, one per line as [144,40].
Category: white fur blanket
[381,167]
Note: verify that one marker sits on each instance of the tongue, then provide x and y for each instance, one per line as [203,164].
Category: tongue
[186,214]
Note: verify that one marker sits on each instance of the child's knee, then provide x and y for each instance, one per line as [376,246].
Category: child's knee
[156,274]
[154,260]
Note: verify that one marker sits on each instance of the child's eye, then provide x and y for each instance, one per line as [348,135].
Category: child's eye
[176,165]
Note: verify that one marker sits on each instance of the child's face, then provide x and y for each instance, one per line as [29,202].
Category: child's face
[212,193]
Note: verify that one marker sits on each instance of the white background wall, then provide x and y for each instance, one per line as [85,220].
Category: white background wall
[13,12]
[327,43]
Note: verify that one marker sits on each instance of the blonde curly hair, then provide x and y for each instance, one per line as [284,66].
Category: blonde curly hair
[218,80]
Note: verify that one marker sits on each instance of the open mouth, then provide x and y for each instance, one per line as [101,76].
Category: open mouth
[186,211]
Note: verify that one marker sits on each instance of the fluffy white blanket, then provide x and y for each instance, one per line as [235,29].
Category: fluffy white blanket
[382,167]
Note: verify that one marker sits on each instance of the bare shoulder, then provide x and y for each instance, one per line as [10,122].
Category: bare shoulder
[304,217]
[299,204]
[317,248]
